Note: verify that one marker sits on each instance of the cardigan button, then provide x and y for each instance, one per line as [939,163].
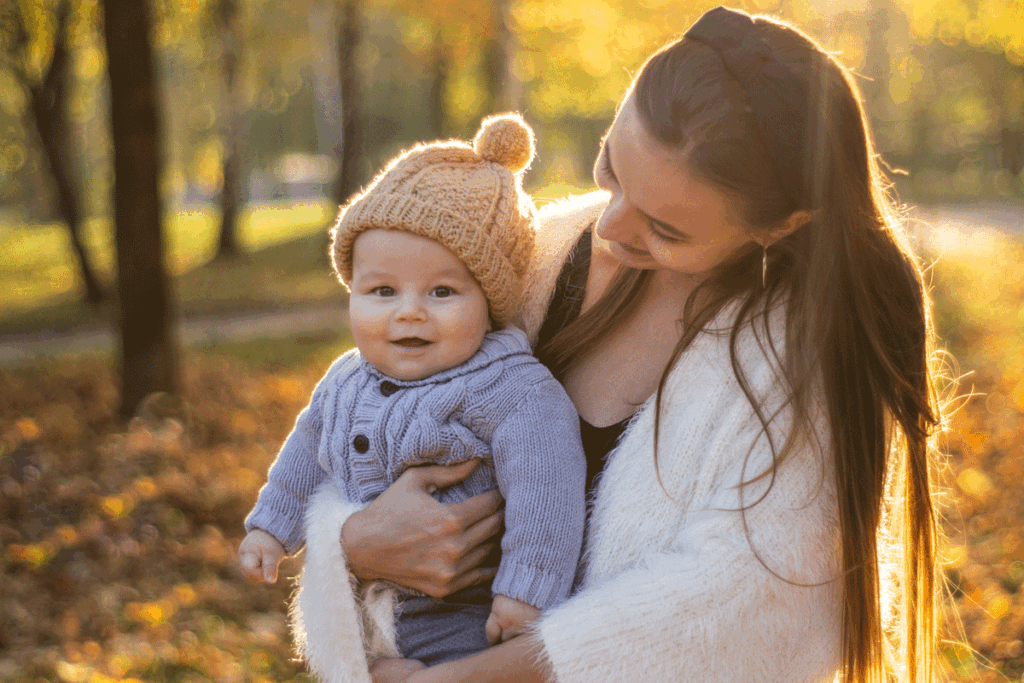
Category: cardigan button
[361,443]
[388,388]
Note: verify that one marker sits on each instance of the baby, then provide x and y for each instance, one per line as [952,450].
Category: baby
[433,253]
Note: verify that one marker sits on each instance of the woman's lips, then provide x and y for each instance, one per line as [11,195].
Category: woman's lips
[411,342]
[633,251]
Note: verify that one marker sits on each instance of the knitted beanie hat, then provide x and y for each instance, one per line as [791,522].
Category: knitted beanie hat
[468,198]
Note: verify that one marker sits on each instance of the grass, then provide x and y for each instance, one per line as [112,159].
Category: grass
[283,264]
[282,355]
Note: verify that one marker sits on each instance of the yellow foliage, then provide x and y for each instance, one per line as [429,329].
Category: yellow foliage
[974,482]
[66,535]
[12,96]
[955,557]
[1017,395]
[27,429]
[145,488]
[34,555]
[151,613]
[999,606]
[73,673]
[116,507]
[185,595]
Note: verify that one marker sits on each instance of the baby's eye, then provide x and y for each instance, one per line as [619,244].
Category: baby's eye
[442,292]
[383,290]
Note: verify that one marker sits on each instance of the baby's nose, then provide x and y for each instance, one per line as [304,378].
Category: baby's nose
[410,307]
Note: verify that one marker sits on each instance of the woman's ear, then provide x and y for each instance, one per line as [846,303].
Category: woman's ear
[796,220]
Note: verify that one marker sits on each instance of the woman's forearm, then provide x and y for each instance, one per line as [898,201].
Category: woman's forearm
[520,660]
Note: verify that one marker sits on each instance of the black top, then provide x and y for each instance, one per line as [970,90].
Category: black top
[565,307]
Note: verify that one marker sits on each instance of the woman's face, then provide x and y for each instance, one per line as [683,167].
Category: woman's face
[659,216]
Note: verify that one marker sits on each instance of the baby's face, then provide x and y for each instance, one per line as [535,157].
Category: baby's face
[415,309]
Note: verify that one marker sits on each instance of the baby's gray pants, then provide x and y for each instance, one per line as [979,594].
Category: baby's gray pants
[435,630]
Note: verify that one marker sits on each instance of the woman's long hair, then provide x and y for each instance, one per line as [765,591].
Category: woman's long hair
[858,330]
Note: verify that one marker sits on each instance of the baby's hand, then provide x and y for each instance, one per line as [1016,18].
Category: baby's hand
[260,554]
[508,619]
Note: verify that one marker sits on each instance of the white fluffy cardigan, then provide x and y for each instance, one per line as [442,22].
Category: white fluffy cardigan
[679,585]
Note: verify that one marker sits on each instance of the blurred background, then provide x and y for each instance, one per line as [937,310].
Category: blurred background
[168,174]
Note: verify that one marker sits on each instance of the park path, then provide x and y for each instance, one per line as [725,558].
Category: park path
[958,221]
[21,348]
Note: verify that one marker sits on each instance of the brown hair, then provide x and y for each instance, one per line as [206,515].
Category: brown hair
[858,331]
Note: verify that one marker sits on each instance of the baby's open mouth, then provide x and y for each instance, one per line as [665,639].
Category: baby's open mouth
[411,342]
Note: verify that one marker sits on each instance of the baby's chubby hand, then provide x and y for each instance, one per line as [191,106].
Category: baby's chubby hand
[260,554]
[508,619]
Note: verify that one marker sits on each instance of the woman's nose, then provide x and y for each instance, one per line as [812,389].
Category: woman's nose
[615,223]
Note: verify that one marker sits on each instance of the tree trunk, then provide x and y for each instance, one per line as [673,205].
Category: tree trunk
[502,91]
[230,197]
[350,160]
[49,109]
[440,67]
[322,19]
[148,350]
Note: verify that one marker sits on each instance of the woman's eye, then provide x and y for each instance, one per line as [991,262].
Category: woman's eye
[660,234]
[604,169]
[442,292]
[383,291]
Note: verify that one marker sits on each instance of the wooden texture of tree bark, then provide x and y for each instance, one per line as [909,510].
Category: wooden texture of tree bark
[440,70]
[148,349]
[228,32]
[350,32]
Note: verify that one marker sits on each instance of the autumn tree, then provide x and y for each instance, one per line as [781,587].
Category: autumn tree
[148,349]
[349,162]
[464,34]
[229,34]
[48,105]
[502,89]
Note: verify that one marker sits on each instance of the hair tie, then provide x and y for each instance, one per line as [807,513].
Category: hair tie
[778,100]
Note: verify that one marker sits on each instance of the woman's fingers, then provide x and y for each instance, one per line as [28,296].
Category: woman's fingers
[477,508]
[474,577]
[474,558]
[486,528]
[430,478]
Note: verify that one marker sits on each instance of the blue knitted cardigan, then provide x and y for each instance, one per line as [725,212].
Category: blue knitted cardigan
[362,429]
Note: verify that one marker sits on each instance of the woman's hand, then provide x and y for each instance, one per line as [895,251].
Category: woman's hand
[520,660]
[407,537]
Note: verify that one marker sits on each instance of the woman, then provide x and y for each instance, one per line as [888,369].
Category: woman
[750,329]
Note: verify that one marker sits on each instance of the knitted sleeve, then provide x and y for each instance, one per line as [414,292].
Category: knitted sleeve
[723,596]
[541,472]
[296,473]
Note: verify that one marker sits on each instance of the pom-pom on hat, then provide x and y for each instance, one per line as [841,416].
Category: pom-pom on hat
[468,198]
